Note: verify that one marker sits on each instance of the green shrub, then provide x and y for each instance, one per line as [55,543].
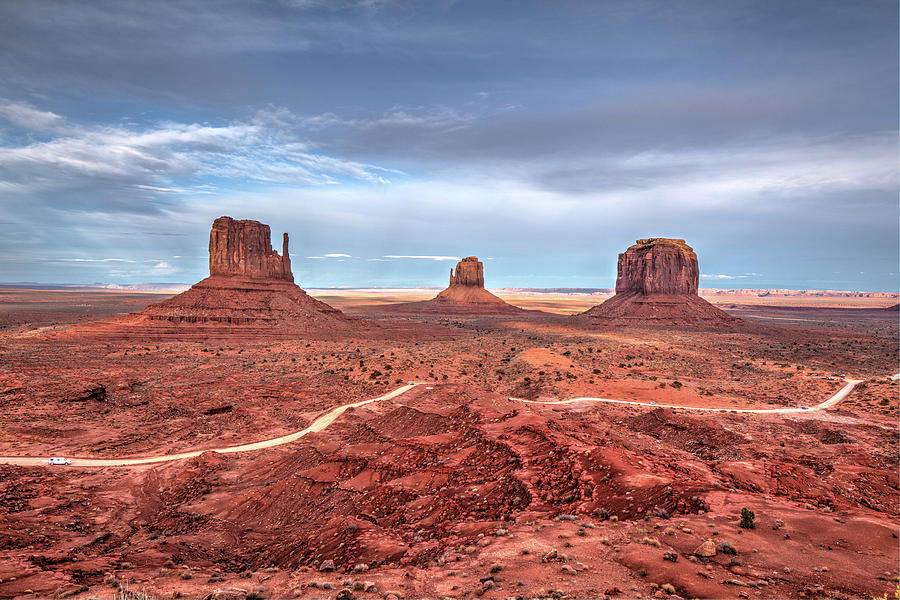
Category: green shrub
[747,517]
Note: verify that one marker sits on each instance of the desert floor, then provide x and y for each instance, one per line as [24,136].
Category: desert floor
[453,488]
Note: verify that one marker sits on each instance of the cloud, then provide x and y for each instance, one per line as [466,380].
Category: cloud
[24,115]
[723,276]
[93,260]
[153,159]
[163,268]
[422,257]
[421,118]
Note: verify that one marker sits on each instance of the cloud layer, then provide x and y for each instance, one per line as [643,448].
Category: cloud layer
[390,137]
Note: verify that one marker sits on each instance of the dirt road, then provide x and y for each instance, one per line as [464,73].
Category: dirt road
[327,418]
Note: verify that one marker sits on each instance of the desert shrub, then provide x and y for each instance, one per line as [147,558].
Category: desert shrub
[747,517]
[676,384]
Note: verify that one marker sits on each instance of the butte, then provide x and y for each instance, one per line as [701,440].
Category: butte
[465,295]
[657,285]
[250,292]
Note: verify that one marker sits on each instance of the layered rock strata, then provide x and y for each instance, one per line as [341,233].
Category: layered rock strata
[244,248]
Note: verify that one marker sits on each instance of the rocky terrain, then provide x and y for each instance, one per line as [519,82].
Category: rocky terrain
[657,284]
[476,482]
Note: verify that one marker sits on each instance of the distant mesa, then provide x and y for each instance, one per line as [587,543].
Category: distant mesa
[657,284]
[250,291]
[465,295]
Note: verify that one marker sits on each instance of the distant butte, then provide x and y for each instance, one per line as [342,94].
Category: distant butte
[464,295]
[250,291]
[657,284]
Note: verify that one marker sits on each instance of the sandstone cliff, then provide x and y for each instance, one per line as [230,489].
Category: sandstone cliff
[244,248]
[469,271]
[658,266]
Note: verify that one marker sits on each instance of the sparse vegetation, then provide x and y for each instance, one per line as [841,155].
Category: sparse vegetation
[747,518]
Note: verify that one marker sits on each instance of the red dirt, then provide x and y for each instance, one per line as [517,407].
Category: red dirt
[438,488]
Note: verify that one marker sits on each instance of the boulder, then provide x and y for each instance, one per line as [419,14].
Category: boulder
[706,550]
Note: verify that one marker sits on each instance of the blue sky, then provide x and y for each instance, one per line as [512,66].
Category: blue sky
[390,138]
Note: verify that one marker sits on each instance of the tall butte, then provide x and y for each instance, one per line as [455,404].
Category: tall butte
[464,295]
[250,290]
[657,284]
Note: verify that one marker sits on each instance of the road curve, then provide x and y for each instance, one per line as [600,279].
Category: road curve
[840,395]
[318,424]
[329,417]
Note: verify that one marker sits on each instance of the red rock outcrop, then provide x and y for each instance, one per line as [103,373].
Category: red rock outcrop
[465,295]
[657,285]
[469,271]
[250,292]
[244,248]
[658,266]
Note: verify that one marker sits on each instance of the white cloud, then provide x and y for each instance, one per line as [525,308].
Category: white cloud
[26,116]
[440,118]
[723,276]
[151,158]
[93,260]
[163,267]
[423,257]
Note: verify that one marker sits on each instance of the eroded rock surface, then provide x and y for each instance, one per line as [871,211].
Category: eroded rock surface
[469,271]
[244,248]
[658,266]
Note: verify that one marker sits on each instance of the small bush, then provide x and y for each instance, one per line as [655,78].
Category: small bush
[747,517]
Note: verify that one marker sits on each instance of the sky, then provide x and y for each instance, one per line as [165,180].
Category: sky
[391,138]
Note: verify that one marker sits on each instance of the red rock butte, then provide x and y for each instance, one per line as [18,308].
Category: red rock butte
[464,295]
[657,284]
[250,291]
[243,248]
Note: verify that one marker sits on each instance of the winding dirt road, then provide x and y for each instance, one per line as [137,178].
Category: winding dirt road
[840,395]
[329,417]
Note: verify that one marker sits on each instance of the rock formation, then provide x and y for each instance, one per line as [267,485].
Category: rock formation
[657,284]
[244,248]
[469,271]
[658,266]
[465,295]
[250,291]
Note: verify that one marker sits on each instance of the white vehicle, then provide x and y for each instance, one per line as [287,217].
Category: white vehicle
[57,460]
